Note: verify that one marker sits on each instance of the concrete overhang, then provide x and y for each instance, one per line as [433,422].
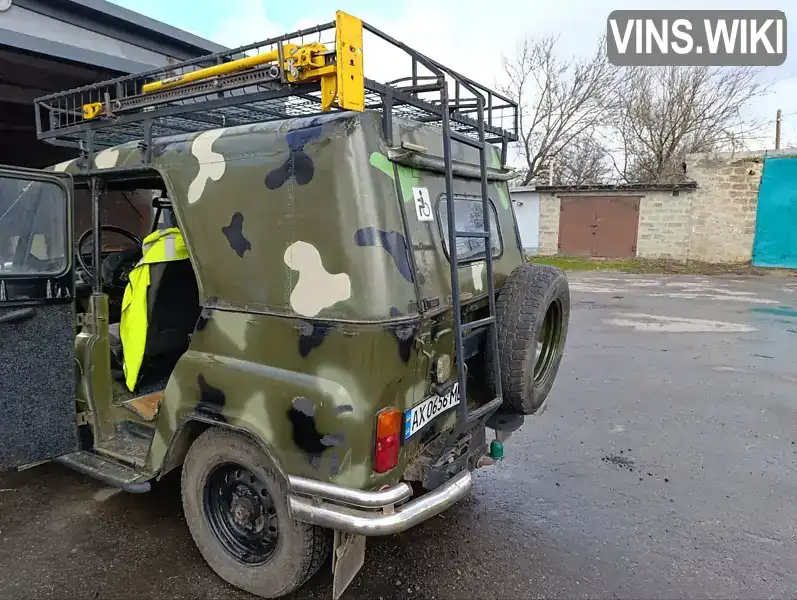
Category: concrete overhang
[97,33]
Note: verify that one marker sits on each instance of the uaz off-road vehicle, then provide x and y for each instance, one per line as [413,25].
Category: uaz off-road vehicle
[316,304]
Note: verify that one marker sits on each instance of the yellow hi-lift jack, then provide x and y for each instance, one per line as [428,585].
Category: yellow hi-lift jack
[342,81]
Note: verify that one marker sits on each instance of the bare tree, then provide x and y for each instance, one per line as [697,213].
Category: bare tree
[585,160]
[560,101]
[664,113]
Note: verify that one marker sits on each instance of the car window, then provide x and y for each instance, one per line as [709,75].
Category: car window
[470,217]
[33,227]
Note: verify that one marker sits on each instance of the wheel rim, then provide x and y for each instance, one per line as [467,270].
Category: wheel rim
[548,343]
[241,513]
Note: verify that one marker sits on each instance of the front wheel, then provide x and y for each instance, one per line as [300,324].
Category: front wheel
[235,504]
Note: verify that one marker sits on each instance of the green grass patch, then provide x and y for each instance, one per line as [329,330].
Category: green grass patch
[661,267]
[577,263]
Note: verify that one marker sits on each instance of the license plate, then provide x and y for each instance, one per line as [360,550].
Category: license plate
[420,415]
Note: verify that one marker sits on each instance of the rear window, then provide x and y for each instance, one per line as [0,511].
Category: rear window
[469,216]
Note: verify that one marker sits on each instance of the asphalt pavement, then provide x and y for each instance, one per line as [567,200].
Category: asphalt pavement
[663,467]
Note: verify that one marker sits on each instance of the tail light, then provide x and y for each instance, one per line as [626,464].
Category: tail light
[388,439]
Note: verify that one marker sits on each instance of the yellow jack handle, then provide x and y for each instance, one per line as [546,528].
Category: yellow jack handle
[241,64]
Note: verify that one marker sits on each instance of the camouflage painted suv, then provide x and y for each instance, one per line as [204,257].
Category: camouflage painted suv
[325,357]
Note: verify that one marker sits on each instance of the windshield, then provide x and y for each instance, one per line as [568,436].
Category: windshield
[33,226]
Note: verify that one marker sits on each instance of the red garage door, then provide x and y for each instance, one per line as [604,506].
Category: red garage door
[603,226]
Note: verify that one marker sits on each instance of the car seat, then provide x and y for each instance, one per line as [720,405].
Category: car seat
[172,312]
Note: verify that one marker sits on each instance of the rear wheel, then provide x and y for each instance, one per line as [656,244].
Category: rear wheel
[235,505]
[533,312]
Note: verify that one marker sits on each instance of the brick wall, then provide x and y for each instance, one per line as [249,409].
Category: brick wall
[664,221]
[724,205]
[713,223]
[549,223]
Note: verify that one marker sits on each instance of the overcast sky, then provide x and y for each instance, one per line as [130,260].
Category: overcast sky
[468,35]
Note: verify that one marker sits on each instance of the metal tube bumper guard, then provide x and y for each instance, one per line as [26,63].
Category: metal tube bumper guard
[336,507]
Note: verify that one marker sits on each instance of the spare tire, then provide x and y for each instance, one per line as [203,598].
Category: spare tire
[532,311]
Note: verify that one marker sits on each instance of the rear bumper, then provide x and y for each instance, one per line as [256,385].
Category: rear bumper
[370,513]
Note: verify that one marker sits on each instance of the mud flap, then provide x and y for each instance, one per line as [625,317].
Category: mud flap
[348,556]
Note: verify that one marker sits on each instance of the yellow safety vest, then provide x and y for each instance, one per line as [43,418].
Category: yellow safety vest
[164,245]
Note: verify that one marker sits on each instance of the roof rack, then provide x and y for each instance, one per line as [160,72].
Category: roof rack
[305,73]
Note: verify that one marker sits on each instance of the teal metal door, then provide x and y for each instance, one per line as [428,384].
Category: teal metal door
[775,243]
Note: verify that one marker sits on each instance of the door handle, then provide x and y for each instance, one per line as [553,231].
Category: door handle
[15,316]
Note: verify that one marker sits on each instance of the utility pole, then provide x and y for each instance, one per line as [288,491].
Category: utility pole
[777,131]
[550,172]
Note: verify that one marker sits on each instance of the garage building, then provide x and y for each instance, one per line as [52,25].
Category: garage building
[607,221]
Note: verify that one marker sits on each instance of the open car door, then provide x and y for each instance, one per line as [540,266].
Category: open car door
[37,331]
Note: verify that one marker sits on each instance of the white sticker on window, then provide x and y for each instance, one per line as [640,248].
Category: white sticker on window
[423,205]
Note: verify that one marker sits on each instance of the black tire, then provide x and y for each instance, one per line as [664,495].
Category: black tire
[530,294]
[300,549]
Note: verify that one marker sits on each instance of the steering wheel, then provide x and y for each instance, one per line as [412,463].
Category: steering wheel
[116,267]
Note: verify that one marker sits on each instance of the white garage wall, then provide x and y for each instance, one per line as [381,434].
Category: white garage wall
[527,212]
